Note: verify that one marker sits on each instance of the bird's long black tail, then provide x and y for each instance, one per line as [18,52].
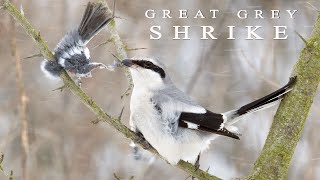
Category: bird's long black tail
[259,104]
[94,19]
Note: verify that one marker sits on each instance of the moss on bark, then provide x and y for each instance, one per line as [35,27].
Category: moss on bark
[288,123]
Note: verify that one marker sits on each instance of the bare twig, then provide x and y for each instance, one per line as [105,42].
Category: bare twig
[116,176]
[11,175]
[120,115]
[85,99]
[118,17]
[33,56]
[104,43]
[302,38]
[135,49]
[313,7]
[61,88]
[1,160]
[96,121]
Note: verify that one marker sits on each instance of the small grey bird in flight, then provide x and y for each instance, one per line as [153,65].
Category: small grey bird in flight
[71,53]
[176,126]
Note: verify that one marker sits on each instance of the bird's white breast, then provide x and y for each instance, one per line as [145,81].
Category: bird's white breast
[182,144]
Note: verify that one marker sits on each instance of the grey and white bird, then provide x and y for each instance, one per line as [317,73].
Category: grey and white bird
[71,52]
[175,125]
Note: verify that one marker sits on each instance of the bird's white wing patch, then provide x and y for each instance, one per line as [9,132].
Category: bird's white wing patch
[86,52]
[192,125]
[61,61]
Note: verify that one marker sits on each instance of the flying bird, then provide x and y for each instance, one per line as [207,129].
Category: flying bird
[71,52]
[175,125]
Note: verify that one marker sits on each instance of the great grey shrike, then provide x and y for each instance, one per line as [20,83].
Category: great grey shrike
[175,125]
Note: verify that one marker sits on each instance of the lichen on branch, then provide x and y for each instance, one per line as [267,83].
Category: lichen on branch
[288,123]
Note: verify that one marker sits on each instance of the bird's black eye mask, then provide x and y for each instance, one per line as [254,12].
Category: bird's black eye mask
[151,66]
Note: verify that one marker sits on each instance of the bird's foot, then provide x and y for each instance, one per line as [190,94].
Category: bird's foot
[78,81]
[114,65]
[197,164]
[102,66]
[142,141]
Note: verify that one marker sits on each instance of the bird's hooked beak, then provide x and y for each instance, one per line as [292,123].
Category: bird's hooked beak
[127,62]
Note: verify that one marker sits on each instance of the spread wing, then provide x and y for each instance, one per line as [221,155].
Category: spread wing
[190,114]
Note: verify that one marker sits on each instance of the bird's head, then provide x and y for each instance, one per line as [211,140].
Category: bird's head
[147,73]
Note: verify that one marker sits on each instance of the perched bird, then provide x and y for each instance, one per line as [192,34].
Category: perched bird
[176,126]
[71,53]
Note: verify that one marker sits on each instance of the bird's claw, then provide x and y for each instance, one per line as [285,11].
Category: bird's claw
[145,144]
[102,66]
[197,164]
[78,81]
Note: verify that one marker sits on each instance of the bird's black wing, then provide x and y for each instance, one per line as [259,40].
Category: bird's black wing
[209,122]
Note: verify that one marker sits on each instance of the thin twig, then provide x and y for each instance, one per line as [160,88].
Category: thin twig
[118,17]
[302,38]
[116,177]
[33,56]
[85,99]
[11,175]
[61,88]
[96,121]
[135,49]
[313,7]
[120,115]
[104,43]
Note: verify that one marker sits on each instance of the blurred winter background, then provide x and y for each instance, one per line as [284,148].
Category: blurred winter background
[220,74]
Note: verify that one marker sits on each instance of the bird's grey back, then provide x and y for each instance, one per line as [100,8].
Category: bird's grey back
[172,92]
[70,40]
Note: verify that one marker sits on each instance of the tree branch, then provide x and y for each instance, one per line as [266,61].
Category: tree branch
[285,132]
[84,98]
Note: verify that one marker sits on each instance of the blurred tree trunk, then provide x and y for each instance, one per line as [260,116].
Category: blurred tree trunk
[22,100]
[288,123]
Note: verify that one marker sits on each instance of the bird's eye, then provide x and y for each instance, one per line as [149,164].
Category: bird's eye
[148,64]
